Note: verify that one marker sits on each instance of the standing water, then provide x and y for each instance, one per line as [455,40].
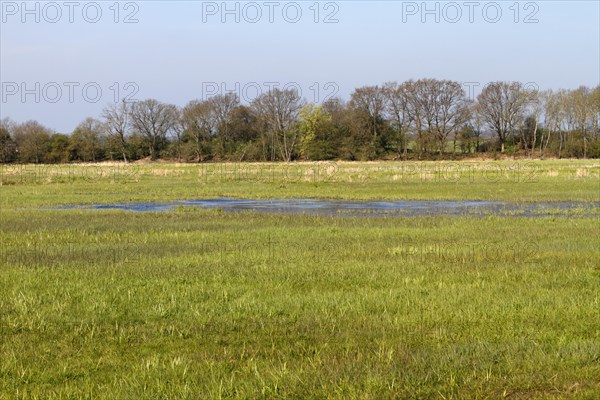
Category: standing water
[407,208]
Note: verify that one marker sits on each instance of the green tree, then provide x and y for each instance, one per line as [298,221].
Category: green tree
[59,149]
[86,140]
[199,126]
[314,119]
[367,106]
[33,142]
[8,147]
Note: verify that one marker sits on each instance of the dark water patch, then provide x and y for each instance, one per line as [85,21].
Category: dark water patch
[408,208]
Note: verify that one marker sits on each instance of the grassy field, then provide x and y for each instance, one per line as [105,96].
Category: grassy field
[206,304]
[527,181]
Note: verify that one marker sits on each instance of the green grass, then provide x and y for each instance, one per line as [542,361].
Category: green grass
[525,181]
[206,304]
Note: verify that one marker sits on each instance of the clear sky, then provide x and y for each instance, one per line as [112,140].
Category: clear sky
[178,51]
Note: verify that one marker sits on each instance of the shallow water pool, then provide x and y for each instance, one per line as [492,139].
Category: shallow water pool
[407,208]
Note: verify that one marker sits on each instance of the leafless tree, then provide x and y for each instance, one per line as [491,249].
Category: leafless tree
[477,122]
[178,132]
[451,108]
[421,112]
[153,120]
[371,102]
[582,104]
[438,108]
[117,124]
[595,99]
[502,108]
[553,118]
[533,115]
[279,109]
[398,108]
[223,107]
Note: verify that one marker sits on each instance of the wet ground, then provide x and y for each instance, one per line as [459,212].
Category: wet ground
[407,208]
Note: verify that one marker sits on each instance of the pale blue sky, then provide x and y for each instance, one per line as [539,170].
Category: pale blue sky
[172,55]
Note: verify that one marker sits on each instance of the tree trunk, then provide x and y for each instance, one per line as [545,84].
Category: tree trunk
[454,146]
[535,128]
[560,145]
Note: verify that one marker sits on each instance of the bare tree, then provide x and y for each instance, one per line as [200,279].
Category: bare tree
[438,108]
[502,108]
[595,99]
[421,111]
[371,101]
[533,112]
[398,108]
[178,132]
[117,124]
[477,122]
[583,112]
[553,118]
[451,108]
[153,120]
[223,107]
[279,109]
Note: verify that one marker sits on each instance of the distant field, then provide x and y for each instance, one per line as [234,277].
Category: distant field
[558,180]
[207,304]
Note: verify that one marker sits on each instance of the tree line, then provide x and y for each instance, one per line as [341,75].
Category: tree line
[422,119]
